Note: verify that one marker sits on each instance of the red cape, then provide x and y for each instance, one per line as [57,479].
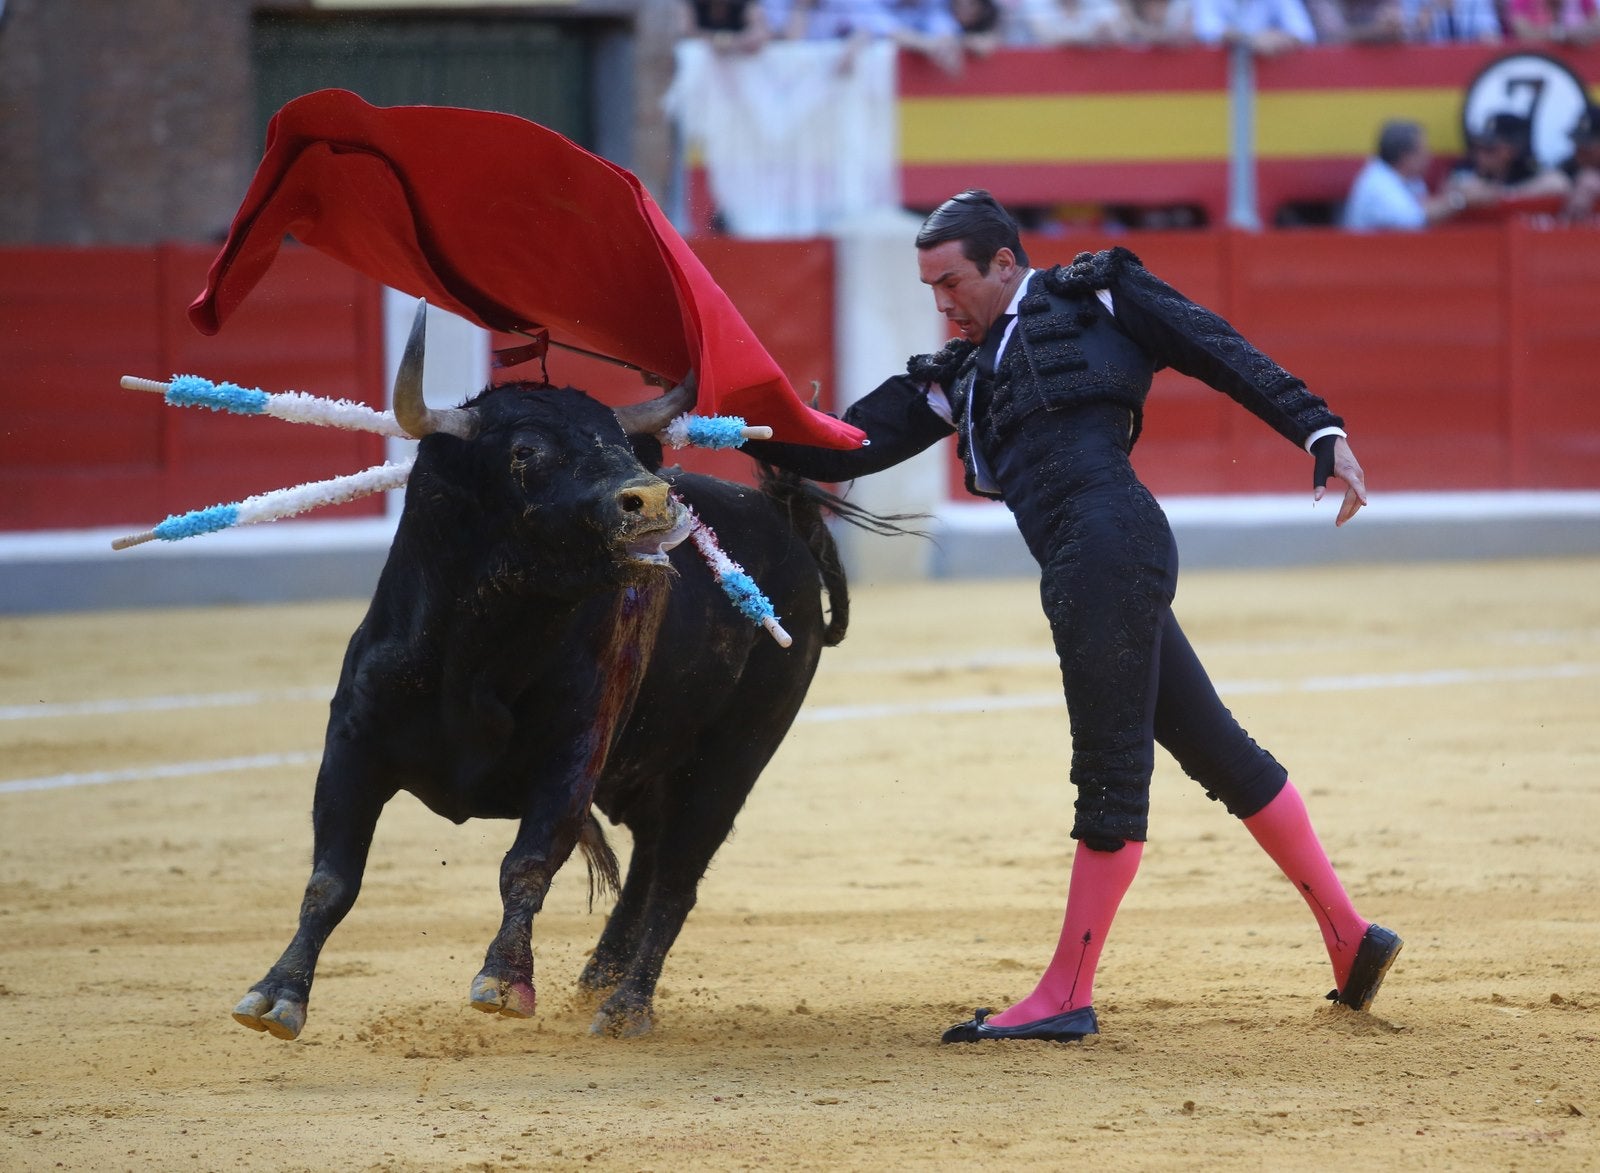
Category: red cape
[511,226]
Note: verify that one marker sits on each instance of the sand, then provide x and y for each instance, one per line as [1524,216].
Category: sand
[903,860]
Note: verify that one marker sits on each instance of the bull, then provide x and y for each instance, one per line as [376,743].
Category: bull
[538,644]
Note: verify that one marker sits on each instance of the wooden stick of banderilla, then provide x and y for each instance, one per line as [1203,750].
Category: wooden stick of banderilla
[295,407]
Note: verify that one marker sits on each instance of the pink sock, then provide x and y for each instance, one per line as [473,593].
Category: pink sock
[1099,881]
[1283,828]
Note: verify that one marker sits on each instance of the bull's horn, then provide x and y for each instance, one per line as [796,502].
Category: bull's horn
[649,417]
[410,410]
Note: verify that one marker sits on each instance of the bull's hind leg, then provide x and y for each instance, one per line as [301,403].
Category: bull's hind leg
[701,809]
[344,816]
[620,938]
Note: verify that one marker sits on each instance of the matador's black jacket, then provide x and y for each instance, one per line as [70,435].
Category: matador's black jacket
[1080,353]
[1050,434]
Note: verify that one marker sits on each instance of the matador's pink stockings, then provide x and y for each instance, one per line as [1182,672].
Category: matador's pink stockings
[1284,831]
[1099,881]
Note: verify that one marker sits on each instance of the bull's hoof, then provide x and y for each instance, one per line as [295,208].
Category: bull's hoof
[494,996]
[622,1023]
[283,1019]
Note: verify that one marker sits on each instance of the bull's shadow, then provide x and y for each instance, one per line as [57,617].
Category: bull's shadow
[539,643]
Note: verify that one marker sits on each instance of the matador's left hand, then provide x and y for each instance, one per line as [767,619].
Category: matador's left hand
[1335,459]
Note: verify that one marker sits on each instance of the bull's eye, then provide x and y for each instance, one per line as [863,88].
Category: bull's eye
[530,457]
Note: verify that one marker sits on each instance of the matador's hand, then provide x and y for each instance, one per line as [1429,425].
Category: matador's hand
[1334,458]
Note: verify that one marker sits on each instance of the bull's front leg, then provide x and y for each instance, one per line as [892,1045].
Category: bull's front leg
[560,801]
[344,817]
[544,842]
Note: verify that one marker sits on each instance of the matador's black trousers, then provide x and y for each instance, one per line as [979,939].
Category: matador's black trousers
[1108,573]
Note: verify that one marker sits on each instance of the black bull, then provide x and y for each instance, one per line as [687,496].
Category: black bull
[530,650]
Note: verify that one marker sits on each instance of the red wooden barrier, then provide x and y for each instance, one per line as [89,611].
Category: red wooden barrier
[1461,358]
[78,450]
[1552,418]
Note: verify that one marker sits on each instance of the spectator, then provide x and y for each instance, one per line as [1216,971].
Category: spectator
[1357,22]
[1440,21]
[783,20]
[1056,23]
[1160,22]
[1266,26]
[1391,190]
[1572,22]
[829,20]
[825,19]
[1501,168]
[924,26]
[928,27]
[729,25]
[1582,167]
[980,25]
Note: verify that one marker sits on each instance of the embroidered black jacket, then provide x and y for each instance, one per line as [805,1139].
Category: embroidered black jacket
[1067,349]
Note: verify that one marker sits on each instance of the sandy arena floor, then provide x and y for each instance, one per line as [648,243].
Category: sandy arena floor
[903,860]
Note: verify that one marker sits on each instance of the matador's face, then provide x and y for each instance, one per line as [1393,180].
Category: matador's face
[970,299]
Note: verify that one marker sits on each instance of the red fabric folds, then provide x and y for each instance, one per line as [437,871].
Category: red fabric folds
[512,226]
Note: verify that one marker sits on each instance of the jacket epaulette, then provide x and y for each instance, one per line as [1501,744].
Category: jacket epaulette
[941,366]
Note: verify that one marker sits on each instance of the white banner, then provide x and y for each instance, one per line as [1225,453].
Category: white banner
[797,138]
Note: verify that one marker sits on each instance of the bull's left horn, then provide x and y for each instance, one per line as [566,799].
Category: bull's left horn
[410,409]
[649,417]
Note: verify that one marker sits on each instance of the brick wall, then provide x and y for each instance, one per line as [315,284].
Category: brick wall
[124,123]
[132,122]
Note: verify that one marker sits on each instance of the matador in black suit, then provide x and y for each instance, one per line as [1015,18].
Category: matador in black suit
[1045,392]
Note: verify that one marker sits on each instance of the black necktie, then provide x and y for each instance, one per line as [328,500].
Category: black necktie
[988,356]
[989,349]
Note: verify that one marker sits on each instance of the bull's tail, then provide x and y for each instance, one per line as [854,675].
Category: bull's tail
[605,876]
[803,502]
[807,505]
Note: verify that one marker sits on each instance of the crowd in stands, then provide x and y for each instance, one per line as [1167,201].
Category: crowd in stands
[1501,173]
[1498,174]
[947,30]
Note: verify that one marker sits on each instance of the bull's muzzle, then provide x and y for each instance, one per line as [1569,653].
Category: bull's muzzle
[654,521]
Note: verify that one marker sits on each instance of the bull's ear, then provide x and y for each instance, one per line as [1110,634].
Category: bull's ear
[649,417]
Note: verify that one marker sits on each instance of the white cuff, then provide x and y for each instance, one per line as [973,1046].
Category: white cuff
[1321,432]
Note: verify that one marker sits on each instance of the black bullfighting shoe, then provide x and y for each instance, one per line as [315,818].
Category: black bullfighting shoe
[1060,1028]
[1376,953]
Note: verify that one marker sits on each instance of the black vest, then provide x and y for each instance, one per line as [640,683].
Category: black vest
[1065,351]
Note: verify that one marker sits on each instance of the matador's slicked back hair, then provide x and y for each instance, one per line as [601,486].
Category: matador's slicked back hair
[979,222]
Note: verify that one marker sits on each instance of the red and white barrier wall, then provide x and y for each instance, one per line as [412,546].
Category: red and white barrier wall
[1462,359]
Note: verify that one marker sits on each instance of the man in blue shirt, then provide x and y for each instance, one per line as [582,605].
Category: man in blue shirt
[1390,191]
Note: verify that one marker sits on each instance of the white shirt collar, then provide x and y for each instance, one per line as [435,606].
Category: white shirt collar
[1022,290]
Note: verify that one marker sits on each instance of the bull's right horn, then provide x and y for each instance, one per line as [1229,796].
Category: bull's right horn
[410,410]
[649,417]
